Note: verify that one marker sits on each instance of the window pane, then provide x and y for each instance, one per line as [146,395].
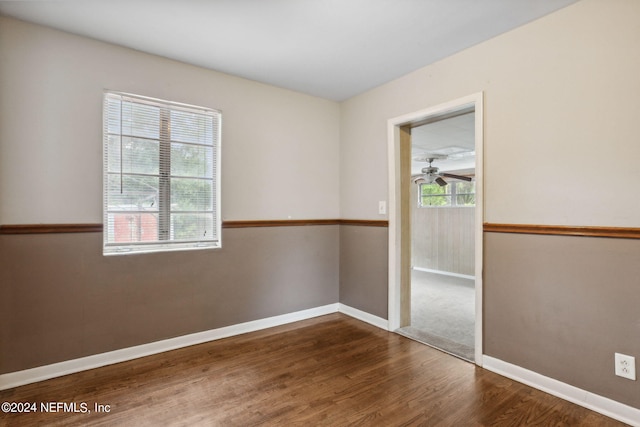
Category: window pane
[191,127]
[112,112]
[191,160]
[465,187]
[191,226]
[130,192]
[434,195]
[426,189]
[114,155]
[191,194]
[466,193]
[128,227]
[140,120]
[466,199]
[140,155]
[134,155]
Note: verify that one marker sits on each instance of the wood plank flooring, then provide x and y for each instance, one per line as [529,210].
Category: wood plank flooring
[332,370]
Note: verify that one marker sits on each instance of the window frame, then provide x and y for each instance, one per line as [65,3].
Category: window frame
[164,242]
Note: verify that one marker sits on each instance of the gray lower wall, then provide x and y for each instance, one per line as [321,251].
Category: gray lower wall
[61,299]
[562,306]
[364,268]
[557,305]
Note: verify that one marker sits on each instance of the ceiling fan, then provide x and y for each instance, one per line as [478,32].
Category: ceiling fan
[430,174]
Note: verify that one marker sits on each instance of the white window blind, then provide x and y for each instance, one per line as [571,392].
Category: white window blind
[161,175]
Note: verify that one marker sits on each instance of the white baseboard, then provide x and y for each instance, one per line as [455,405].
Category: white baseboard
[364,316]
[444,273]
[600,404]
[41,373]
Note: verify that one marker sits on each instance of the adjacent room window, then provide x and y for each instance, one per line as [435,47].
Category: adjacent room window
[161,175]
[453,194]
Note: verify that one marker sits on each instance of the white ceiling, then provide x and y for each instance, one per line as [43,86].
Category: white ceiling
[333,49]
[452,138]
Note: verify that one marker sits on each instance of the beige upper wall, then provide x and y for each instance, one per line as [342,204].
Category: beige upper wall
[560,111]
[280,148]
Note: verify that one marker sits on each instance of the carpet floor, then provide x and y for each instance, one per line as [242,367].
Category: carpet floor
[443,313]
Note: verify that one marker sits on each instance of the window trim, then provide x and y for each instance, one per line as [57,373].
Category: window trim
[164,244]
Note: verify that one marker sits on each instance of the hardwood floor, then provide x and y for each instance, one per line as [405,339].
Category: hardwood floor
[331,370]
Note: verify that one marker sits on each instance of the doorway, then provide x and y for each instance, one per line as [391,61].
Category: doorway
[442,193]
[435,287]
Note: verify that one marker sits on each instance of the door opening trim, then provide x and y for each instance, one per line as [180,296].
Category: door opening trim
[472,102]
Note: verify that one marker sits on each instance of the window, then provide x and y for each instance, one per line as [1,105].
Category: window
[161,175]
[453,194]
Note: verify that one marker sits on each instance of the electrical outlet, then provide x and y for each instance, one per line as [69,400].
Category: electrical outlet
[625,366]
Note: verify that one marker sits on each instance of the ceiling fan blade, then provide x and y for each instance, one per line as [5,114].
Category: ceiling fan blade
[460,177]
[441,182]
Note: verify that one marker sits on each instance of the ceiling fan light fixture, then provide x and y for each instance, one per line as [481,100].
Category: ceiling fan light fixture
[428,179]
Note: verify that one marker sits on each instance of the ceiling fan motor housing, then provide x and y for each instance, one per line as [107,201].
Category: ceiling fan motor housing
[430,170]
